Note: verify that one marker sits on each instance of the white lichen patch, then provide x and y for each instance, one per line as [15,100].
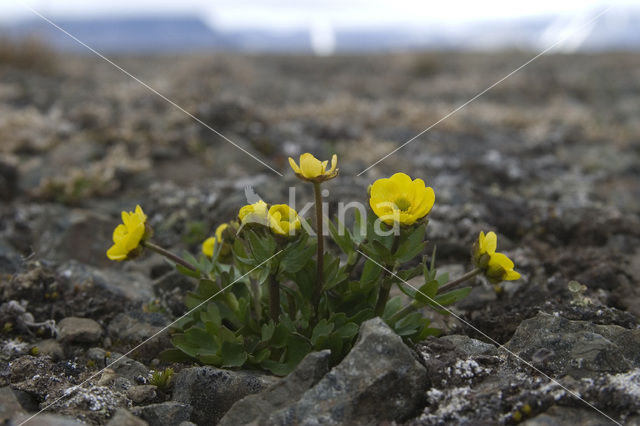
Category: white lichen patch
[446,405]
[14,347]
[467,369]
[627,383]
[93,398]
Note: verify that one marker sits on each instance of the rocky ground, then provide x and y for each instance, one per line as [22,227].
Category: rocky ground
[549,159]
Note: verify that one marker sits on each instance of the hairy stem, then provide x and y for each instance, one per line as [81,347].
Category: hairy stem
[274,299]
[451,284]
[448,286]
[320,253]
[385,285]
[171,256]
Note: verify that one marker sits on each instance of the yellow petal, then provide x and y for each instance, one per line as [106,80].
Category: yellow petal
[490,243]
[294,166]
[311,167]
[207,246]
[116,253]
[500,259]
[334,163]
[512,275]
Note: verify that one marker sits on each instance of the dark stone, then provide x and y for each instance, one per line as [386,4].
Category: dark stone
[379,380]
[165,414]
[256,408]
[578,348]
[212,391]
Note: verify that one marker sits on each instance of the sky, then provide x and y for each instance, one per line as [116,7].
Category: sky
[292,14]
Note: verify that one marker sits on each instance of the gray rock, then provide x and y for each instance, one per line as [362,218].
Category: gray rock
[469,346]
[123,417]
[50,420]
[578,348]
[567,416]
[255,409]
[165,414]
[10,259]
[123,287]
[9,405]
[142,393]
[212,391]
[129,369]
[52,348]
[8,179]
[135,327]
[380,380]
[79,330]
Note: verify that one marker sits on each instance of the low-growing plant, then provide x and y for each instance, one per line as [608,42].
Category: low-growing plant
[161,379]
[269,292]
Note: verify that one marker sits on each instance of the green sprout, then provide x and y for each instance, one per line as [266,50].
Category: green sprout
[161,379]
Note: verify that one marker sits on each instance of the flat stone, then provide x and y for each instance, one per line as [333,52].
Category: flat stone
[212,391]
[165,414]
[577,348]
[255,408]
[52,348]
[142,393]
[79,330]
[568,416]
[379,380]
[9,405]
[123,417]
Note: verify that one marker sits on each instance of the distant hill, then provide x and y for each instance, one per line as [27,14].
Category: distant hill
[187,33]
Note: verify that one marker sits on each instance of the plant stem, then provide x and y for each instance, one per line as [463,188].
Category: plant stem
[402,313]
[166,253]
[448,286]
[320,244]
[274,299]
[255,289]
[385,286]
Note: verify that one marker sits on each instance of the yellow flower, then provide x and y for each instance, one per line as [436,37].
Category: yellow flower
[254,213]
[283,220]
[399,199]
[500,268]
[128,235]
[313,170]
[484,248]
[209,243]
[496,266]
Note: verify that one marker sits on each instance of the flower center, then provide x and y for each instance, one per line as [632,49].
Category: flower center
[402,204]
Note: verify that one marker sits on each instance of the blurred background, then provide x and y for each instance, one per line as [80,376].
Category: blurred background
[80,140]
[326,26]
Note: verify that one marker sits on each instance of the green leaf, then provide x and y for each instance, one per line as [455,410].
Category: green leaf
[233,354]
[293,260]
[343,241]
[393,305]
[370,273]
[267,331]
[280,334]
[411,246]
[322,329]
[359,228]
[188,272]
[261,247]
[427,292]
[347,331]
[174,355]
[453,296]
[443,278]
